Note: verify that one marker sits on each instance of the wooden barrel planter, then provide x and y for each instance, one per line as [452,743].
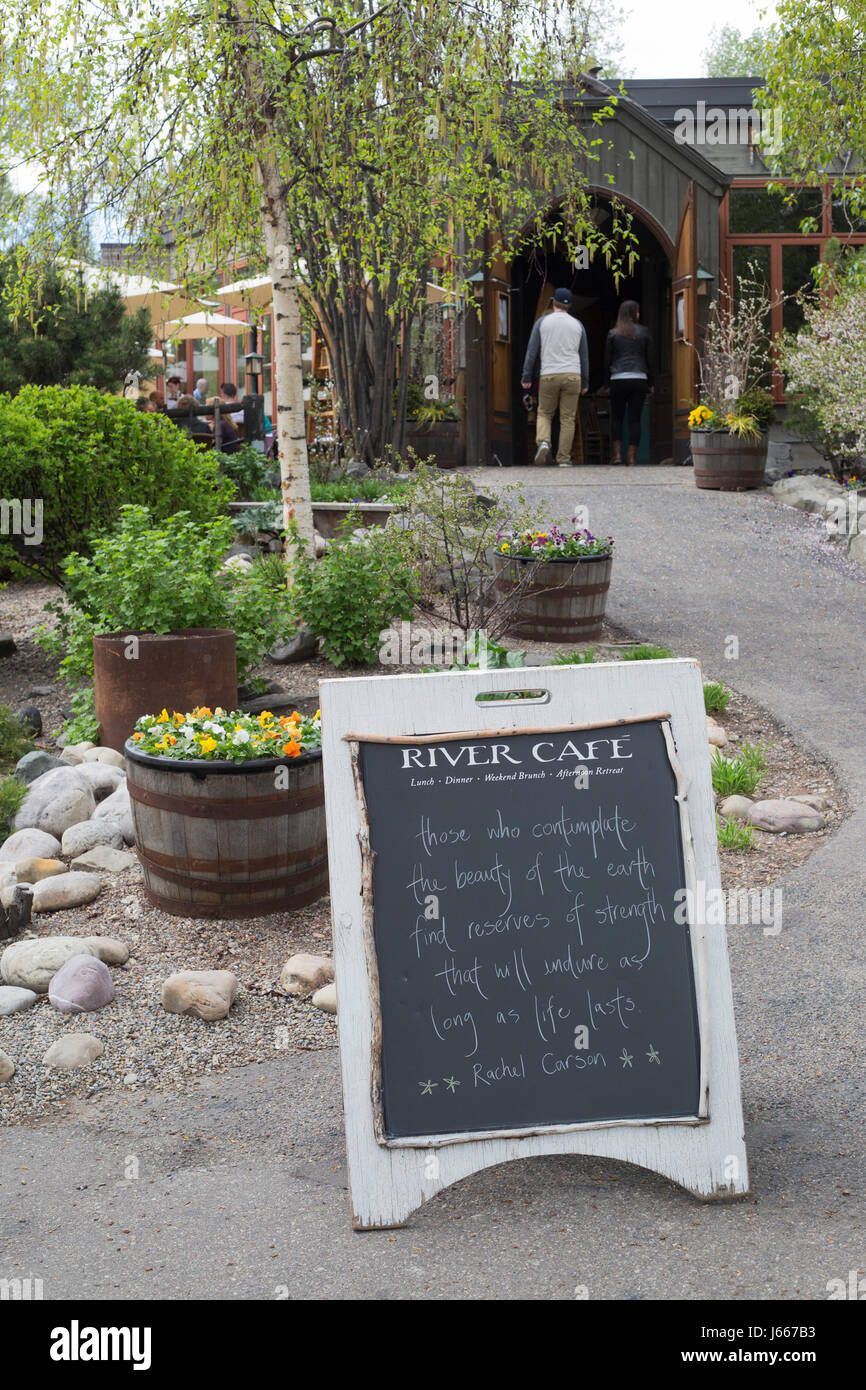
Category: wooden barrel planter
[441,441]
[224,839]
[727,464]
[136,673]
[563,602]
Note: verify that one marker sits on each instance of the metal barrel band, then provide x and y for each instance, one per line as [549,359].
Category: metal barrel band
[253,807]
[223,888]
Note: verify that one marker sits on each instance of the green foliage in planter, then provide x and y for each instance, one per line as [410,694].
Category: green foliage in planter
[247,468]
[584,658]
[161,577]
[757,403]
[357,490]
[83,454]
[734,836]
[15,740]
[348,598]
[646,651]
[716,697]
[12,794]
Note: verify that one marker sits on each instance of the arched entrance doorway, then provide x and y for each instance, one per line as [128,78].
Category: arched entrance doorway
[526,285]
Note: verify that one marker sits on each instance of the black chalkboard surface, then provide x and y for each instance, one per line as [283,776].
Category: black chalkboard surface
[534,968]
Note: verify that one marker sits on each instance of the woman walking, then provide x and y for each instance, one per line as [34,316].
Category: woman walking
[629,375]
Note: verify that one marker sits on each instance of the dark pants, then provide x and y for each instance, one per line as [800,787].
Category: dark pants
[627,396]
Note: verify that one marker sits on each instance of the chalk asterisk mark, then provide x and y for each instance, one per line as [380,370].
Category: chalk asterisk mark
[427,1087]
[451,1083]
[653,1055]
[626,1058]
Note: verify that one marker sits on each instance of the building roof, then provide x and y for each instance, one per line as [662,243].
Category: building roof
[663,97]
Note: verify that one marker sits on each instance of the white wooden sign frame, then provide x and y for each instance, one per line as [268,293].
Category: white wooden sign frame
[389,1179]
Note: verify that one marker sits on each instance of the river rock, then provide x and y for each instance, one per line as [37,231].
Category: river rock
[736,806]
[101,778]
[791,817]
[29,844]
[207,994]
[34,870]
[66,890]
[14,1000]
[34,764]
[303,645]
[87,834]
[304,973]
[33,964]
[813,799]
[117,808]
[73,1050]
[55,801]
[83,983]
[326,999]
[31,719]
[109,949]
[110,756]
[716,734]
[103,859]
[7,1067]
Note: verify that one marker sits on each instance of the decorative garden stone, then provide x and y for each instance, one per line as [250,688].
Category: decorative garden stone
[103,859]
[791,817]
[78,839]
[303,973]
[326,999]
[737,807]
[29,844]
[116,808]
[14,1000]
[7,1067]
[101,778]
[206,994]
[72,1051]
[34,870]
[716,734]
[55,801]
[66,890]
[34,764]
[83,983]
[109,756]
[33,964]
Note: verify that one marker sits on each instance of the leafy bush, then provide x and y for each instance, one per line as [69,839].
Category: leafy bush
[357,490]
[734,836]
[247,468]
[646,651]
[584,658]
[12,794]
[15,739]
[82,455]
[824,364]
[716,697]
[736,776]
[347,598]
[166,577]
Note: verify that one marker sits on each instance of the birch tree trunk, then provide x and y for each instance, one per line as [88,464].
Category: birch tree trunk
[290,423]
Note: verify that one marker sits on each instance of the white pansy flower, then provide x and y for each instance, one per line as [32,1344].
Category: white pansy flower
[241,736]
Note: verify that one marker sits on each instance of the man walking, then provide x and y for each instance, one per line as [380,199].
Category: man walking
[559,342]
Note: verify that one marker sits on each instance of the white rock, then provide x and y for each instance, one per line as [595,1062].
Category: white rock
[326,999]
[736,806]
[87,834]
[7,1067]
[29,844]
[715,733]
[108,948]
[303,973]
[14,1000]
[103,859]
[101,778]
[55,801]
[813,799]
[73,1050]
[66,890]
[33,964]
[207,994]
[110,756]
[117,808]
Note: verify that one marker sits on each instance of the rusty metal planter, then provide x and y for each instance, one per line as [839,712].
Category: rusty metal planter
[726,464]
[564,601]
[136,673]
[229,840]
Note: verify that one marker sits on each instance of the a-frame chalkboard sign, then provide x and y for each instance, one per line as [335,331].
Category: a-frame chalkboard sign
[521,968]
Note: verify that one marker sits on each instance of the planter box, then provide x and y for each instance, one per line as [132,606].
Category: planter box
[564,601]
[174,670]
[727,464]
[223,839]
[328,517]
[441,440]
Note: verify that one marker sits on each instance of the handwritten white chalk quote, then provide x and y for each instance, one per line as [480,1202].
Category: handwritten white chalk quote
[533,952]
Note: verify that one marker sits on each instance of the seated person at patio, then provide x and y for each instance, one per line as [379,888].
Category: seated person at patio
[155,402]
[200,392]
[229,393]
[193,424]
[229,434]
[172,392]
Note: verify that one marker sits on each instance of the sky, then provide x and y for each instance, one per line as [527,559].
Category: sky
[665,38]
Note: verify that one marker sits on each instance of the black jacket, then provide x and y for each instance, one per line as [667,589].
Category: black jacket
[628,354]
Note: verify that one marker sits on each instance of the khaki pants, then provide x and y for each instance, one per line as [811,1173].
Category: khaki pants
[559,391]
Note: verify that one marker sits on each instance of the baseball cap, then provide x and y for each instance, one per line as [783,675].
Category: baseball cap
[563,296]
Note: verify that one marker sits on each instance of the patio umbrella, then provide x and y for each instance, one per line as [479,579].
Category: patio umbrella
[255,293]
[204,325]
[164,300]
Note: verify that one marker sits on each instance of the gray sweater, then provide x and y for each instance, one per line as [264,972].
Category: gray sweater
[557,344]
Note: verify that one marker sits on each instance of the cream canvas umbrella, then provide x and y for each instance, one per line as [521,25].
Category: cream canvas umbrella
[165,301]
[204,325]
[255,293]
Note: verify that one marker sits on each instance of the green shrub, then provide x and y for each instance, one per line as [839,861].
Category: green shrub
[15,739]
[758,403]
[357,489]
[646,651]
[12,793]
[736,776]
[82,455]
[348,598]
[734,836]
[164,577]
[716,697]
[247,468]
